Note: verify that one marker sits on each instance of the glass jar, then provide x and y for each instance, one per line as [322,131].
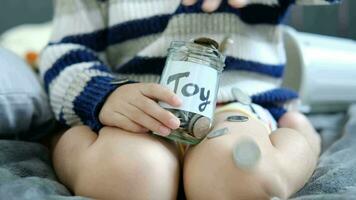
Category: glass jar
[192,71]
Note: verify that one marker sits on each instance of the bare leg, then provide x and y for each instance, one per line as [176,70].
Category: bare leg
[287,160]
[298,122]
[299,147]
[116,164]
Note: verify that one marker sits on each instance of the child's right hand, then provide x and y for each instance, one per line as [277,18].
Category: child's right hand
[133,107]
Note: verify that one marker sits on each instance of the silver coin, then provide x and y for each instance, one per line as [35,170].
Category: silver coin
[202,127]
[192,121]
[226,44]
[218,133]
[241,96]
[237,118]
[207,42]
[246,154]
[119,81]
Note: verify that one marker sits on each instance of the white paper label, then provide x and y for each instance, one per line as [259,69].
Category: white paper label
[195,84]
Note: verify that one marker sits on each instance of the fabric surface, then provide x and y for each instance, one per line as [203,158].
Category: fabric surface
[335,176]
[92,39]
[23,102]
[26,172]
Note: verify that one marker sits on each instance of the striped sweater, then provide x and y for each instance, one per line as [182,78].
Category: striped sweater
[95,42]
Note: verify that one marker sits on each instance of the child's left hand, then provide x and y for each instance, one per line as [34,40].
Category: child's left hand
[212,5]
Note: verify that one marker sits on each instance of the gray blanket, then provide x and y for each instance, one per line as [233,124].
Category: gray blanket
[26,172]
[335,176]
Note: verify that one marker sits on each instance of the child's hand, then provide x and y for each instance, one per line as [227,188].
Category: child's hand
[132,107]
[212,5]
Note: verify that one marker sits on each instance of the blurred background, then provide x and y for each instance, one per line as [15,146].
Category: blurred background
[17,12]
[336,21]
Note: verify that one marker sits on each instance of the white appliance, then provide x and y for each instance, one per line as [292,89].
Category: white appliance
[322,69]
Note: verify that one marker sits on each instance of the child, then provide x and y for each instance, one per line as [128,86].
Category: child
[109,154]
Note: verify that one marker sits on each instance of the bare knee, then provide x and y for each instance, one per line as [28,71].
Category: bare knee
[294,120]
[210,173]
[297,155]
[300,123]
[68,146]
[71,137]
[122,165]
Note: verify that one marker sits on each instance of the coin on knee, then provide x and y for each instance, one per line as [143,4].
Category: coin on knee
[246,154]
[237,118]
[218,133]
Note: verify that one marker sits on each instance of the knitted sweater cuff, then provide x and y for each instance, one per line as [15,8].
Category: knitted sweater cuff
[89,103]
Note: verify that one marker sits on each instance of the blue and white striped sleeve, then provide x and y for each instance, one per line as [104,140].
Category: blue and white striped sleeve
[72,65]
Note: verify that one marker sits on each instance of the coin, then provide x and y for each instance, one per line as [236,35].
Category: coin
[241,96]
[237,118]
[218,133]
[207,42]
[246,154]
[119,81]
[226,44]
[192,121]
[201,127]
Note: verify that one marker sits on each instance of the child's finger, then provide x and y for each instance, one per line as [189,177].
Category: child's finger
[151,108]
[238,3]
[140,117]
[188,2]
[211,5]
[121,121]
[161,93]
